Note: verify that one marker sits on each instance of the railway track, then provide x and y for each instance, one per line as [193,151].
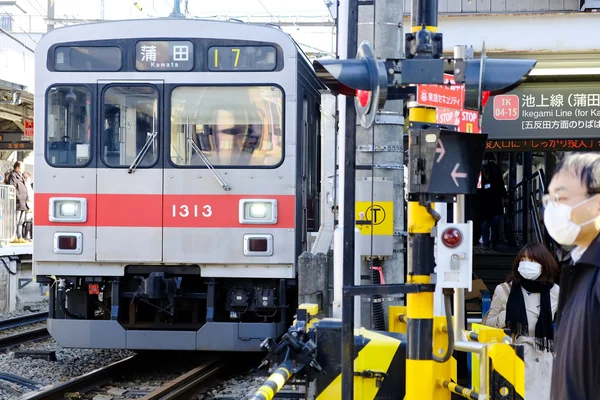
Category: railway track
[122,379]
[28,319]
[24,336]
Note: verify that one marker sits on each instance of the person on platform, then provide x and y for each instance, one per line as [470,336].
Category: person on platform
[526,304]
[28,224]
[572,217]
[491,197]
[18,181]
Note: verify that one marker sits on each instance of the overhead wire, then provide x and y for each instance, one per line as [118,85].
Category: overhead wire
[18,25]
[41,13]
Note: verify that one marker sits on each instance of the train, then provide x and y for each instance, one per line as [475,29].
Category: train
[177,182]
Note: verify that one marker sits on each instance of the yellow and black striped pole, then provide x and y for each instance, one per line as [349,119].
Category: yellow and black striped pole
[462,391]
[420,376]
[273,384]
[420,379]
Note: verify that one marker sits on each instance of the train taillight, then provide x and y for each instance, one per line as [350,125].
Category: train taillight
[68,242]
[258,245]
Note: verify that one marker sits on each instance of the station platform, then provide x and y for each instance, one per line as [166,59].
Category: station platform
[17,287]
[16,249]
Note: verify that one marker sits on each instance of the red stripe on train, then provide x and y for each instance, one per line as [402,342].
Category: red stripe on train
[178,210]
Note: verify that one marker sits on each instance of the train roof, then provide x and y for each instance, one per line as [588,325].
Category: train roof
[170,27]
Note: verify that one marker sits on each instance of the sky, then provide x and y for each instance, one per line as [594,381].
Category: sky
[319,38]
[123,9]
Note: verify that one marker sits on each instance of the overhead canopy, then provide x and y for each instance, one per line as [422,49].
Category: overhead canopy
[16,112]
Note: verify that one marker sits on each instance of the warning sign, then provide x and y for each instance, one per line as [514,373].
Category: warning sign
[28,128]
[380,214]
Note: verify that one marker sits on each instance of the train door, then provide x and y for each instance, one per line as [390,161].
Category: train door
[129,174]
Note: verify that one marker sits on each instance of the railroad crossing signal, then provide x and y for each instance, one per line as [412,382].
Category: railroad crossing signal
[440,162]
[485,77]
[371,82]
[363,78]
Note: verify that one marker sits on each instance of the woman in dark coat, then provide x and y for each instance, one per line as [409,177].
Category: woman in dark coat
[18,181]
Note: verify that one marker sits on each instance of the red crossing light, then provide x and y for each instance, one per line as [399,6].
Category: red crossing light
[452,237]
[485,96]
[363,97]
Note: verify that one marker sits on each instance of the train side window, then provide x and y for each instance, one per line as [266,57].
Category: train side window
[129,122]
[230,126]
[68,125]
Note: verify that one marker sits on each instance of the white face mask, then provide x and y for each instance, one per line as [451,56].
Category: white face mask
[530,270]
[557,219]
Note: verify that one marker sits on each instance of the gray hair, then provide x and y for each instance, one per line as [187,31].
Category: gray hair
[586,166]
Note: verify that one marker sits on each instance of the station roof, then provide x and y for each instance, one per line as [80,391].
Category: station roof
[16,114]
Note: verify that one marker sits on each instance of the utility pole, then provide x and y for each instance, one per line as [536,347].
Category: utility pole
[102,9]
[176,10]
[380,188]
[50,25]
[348,217]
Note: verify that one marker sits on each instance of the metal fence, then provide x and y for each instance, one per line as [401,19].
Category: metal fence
[8,212]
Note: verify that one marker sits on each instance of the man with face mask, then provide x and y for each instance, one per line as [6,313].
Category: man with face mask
[572,217]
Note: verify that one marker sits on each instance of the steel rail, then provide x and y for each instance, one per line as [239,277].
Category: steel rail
[23,337]
[23,320]
[182,387]
[83,382]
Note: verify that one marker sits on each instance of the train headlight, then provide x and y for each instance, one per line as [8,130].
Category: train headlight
[68,209]
[258,211]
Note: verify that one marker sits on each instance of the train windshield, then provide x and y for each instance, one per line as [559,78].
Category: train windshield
[229,126]
[68,129]
[130,122]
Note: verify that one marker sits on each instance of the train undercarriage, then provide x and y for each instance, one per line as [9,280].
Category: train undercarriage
[170,307]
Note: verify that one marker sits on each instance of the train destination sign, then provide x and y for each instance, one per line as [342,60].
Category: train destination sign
[242,58]
[164,55]
[544,111]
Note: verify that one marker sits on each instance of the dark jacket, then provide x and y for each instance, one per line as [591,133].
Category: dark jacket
[17,180]
[576,367]
[492,191]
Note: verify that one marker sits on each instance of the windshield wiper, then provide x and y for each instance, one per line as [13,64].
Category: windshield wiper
[143,151]
[208,164]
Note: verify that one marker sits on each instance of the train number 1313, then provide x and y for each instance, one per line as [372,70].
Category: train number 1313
[191,211]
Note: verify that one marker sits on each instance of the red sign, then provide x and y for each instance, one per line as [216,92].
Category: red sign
[449,95]
[469,121]
[447,116]
[506,107]
[466,120]
[28,128]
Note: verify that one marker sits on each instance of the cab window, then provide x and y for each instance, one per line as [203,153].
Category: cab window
[129,126]
[228,126]
[68,125]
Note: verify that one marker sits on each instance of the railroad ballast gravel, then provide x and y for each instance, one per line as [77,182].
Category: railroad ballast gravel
[69,364]
[26,309]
